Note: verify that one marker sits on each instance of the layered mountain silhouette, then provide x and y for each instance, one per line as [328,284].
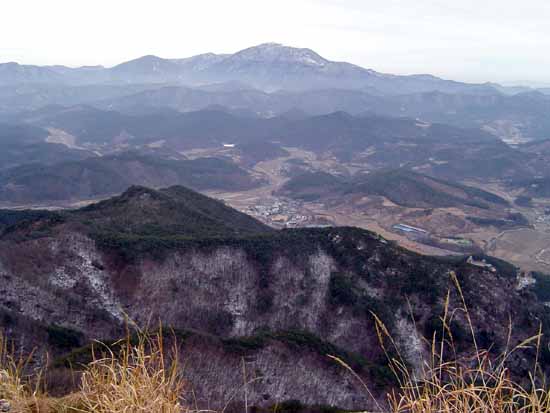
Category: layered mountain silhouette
[269,66]
[271,79]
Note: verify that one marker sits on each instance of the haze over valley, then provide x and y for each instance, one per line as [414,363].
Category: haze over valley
[282,133]
[271,207]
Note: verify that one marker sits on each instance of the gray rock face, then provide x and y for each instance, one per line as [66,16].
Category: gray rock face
[275,373]
[5,406]
[280,313]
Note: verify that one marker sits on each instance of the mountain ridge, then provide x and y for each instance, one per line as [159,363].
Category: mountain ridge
[403,187]
[268,66]
[96,177]
[283,298]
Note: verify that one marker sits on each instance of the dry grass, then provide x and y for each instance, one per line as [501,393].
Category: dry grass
[448,383]
[137,377]
[141,377]
[14,386]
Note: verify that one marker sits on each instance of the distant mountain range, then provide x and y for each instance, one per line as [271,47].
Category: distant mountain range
[270,80]
[360,144]
[524,115]
[269,67]
[337,131]
[100,153]
[374,141]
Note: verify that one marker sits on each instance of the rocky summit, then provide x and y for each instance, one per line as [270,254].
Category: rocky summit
[233,289]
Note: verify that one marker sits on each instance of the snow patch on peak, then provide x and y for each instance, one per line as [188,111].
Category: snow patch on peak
[269,45]
[272,52]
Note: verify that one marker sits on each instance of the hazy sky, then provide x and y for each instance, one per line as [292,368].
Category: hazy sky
[473,40]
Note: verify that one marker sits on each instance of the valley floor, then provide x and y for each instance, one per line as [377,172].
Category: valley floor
[528,248]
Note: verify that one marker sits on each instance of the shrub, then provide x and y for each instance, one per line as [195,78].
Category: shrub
[542,286]
[449,383]
[64,338]
[264,301]
[341,290]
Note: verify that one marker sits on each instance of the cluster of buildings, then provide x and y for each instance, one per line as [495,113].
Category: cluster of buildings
[408,229]
[481,263]
[279,213]
[424,236]
[543,217]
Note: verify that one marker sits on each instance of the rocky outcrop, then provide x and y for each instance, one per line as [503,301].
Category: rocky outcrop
[278,304]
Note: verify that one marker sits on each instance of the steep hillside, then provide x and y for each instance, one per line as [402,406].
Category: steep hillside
[313,185]
[254,152]
[231,288]
[410,189]
[11,134]
[40,153]
[108,175]
[401,186]
[172,212]
[534,188]
[21,144]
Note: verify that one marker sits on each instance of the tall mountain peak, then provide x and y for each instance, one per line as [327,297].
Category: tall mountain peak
[272,52]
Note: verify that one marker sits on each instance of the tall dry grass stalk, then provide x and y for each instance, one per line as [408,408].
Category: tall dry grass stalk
[15,387]
[449,383]
[139,378]
[139,375]
[133,376]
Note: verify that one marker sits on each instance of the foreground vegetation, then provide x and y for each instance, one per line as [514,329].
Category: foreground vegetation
[138,377]
[142,373]
[478,382]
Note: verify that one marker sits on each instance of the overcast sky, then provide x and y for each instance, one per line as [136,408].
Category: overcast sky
[472,40]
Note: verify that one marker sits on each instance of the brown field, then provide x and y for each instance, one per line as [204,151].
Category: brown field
[527,248]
